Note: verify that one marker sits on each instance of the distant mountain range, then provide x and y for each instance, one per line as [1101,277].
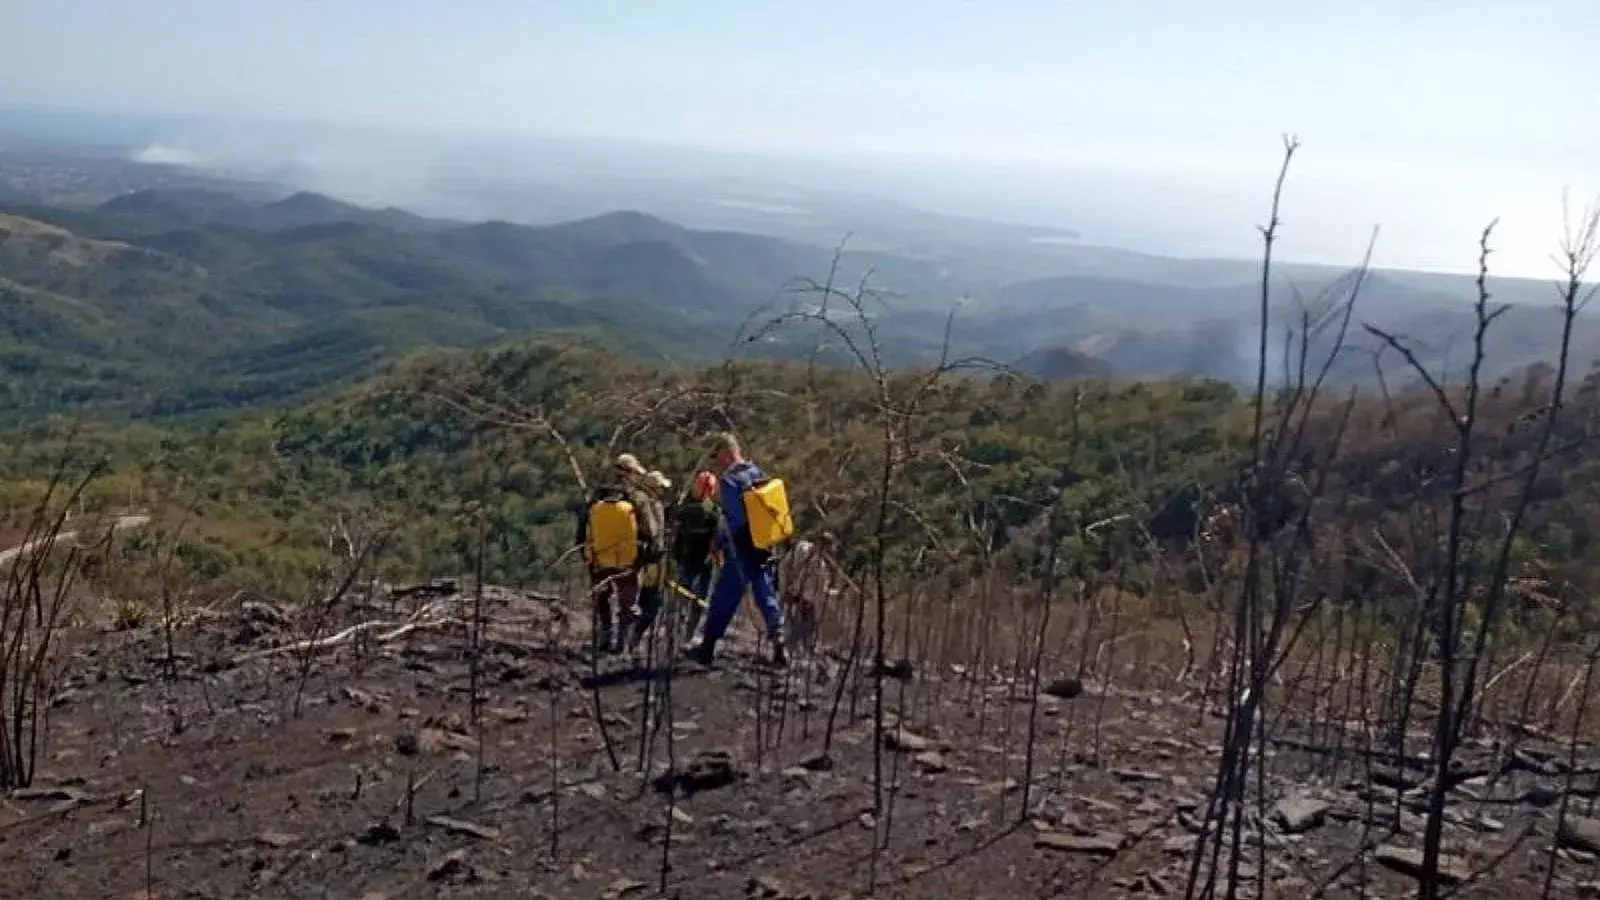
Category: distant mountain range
[176,208]
[163,301]
[196,295]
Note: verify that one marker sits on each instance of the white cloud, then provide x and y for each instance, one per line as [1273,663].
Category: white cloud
[162,154]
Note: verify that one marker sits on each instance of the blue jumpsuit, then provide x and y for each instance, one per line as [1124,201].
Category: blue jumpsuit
[743,563]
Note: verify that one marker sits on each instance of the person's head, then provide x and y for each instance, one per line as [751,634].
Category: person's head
[656,482]
[828,543]
[725,450]
[628,468]
[704,485]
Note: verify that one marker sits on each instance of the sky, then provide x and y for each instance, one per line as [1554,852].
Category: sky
[1154,124]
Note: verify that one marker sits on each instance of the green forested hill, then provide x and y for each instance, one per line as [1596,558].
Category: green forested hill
[445,431]
[184,300]
[177,301]
[444,436]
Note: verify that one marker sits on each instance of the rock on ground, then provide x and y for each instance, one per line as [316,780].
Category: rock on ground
[1101,844]
[1299,813]
[1580,833]
[1407,861]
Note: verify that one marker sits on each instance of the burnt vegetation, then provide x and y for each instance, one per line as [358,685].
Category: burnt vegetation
[1080,638]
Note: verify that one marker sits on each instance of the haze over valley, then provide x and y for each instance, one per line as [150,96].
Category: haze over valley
[1083,187]
[295,272]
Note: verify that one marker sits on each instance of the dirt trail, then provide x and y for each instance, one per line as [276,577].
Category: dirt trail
[121,523]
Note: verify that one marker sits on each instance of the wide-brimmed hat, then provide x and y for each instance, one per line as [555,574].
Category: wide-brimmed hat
[628,464]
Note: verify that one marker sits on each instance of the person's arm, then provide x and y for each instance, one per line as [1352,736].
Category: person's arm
[659,541]
[734,483]
[678,548]
[644,521]
[582,539]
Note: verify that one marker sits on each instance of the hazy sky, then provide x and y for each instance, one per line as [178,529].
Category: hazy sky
[1136,121]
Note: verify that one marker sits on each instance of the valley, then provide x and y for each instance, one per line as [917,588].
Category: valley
[223,293]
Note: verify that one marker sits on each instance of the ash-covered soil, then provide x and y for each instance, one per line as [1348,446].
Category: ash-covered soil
[200,777]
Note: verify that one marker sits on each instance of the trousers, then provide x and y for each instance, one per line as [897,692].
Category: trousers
[615,593]
[744,566]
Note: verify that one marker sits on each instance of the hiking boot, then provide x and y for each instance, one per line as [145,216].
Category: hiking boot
[704,653]
[780,654]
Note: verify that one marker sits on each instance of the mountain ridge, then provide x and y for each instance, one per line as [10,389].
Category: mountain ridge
[173,300]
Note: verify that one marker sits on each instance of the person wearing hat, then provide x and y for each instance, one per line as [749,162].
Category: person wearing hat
[614,570]
[652,575]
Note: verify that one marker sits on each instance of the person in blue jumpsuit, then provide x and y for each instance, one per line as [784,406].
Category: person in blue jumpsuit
[744,564]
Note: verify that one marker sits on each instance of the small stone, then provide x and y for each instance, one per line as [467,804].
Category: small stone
[899,670]
[358,697]
[905,742]
[1579,833]
[1395,779]
[66,697]
[765,887]
[1103,844]
[50,795]
[275,839]
[459,826]
[1140,827]
[1009,786]
[1299,813]
[436,740]
[453,867]
[797,778]
[1065,688]
[1540,797]
[1409,862]
[106,827]
[378,833]
[342,736]
[1180,845]
[709,770]
[931,762]
[622,887]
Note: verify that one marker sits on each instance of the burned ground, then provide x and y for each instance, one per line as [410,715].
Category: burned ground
[197,778]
